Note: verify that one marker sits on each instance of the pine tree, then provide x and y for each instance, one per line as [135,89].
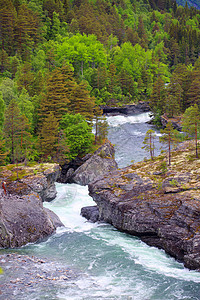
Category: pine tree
[191,122]
[2,111]
[27,29]
[17,134]
[158,96]
[148,142]
[11,128]
[7,22]
[81,102]
[25,77]
[3,152]
[170,138]
[193,93]
[48,137]
[173,101]
[59,87]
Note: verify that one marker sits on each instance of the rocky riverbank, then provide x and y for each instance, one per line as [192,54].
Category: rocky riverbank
[161,205]
[23,219]
[130,109]
[25,275]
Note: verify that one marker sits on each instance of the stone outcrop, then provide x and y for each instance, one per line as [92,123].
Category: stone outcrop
[93,166]
[100,163]
[161,208]
[130,109]
[176,122]
[23,219]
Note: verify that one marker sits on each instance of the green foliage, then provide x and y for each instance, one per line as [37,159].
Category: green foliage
[78,135]
[163,167]
[169,137]
[191,123]
[48,137]
[119,52]
[2,109]
[148,142]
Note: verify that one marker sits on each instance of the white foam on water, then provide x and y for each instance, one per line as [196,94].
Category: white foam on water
[114,121]
[71,198]
[106,287]
[67,205]
[150,258]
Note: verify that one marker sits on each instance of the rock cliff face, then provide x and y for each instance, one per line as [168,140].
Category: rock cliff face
[127,109]
[162,208]
[23,219]
[93,166]
[176,122]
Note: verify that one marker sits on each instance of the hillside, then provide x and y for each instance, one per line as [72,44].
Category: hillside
[61,60]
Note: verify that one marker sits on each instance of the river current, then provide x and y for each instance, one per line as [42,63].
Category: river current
[110,264]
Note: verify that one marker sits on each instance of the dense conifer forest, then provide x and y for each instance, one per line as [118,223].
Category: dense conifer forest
[60,60]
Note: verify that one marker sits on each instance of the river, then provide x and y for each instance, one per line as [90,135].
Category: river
[109,264]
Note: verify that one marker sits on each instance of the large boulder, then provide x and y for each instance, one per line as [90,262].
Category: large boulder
[99,164]
[161,208]
[23,219]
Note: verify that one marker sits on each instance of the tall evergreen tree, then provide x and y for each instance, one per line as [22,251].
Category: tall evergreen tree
[170,138]
[173,101]
[59,87]
[191,123]
[48,137]
[158,96]
[2,111]
[81,102]
[11,128]
[148,142]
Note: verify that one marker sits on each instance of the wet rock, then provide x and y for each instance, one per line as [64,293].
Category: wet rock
[91,213]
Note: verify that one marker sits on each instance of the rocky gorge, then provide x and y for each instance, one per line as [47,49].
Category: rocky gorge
[160,205]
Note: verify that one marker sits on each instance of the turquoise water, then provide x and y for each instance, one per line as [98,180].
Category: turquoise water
[110,264]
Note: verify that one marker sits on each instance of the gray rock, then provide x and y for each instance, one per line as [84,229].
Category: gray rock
[169,221]
[23,219]
[91,213]
[44,183]
[100,163]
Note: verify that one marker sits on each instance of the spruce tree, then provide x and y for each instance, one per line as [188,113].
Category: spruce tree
[48,137]
[59,88]
[2,111]
[173,101]
[158,96]
[191,122]
[11,127]
[81,102]
[3,152]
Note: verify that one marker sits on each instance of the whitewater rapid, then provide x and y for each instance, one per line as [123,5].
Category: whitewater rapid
[109,264]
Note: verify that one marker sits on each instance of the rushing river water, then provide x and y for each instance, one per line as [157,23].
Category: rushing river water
[110,264]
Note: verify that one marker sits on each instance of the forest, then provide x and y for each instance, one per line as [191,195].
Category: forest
[62,60]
